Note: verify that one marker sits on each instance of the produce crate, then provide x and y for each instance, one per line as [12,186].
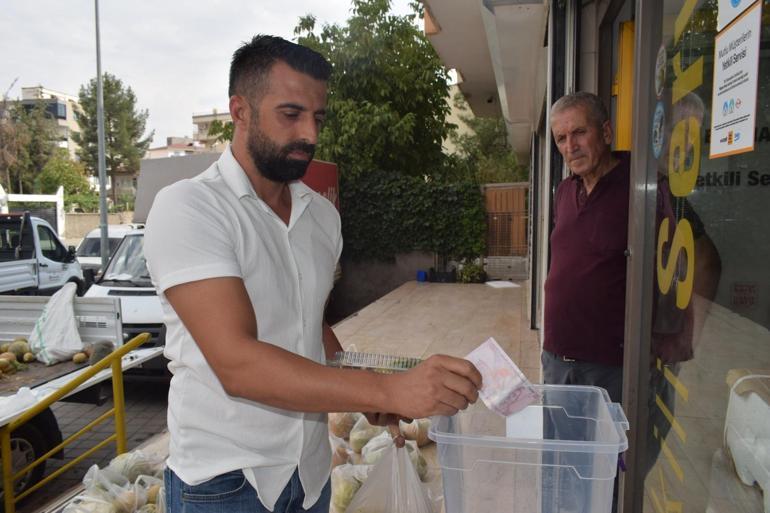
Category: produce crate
[559,454]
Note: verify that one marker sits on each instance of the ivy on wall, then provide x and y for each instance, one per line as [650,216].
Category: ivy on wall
[384,214]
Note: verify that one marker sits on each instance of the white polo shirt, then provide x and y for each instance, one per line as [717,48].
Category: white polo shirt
[214,225]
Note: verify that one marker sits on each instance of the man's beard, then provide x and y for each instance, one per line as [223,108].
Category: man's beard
[273,162]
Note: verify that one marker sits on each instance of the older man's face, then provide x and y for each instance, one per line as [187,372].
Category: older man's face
[582,143]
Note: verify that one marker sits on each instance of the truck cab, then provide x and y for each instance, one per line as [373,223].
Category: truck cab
[89,250]
[33,259]
[127,278]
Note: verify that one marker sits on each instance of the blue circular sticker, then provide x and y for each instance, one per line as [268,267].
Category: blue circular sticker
[657,129]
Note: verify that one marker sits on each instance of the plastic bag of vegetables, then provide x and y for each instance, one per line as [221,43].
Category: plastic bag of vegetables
[136,463]
[85,504]
[380,444]
[346,480]
[362,432]
[109,486]
[392,487]
[416,430]
[341,452]
[161,500]
[153,488]
[340,424]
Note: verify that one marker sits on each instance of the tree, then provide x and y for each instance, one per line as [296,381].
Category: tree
[27,141]
[386,108]
[223,131]
[9,143]
[485,151]
[124,127]
[60,170]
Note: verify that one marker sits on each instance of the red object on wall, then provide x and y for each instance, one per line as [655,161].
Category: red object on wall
[323,178]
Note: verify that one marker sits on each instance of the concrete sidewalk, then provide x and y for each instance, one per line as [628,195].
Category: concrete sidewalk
[421,319]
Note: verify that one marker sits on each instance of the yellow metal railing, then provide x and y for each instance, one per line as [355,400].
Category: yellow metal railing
[112,360]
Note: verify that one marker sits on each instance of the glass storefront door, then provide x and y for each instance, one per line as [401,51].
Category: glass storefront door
[708,410]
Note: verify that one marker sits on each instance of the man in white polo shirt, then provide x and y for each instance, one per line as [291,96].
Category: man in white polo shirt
[243,257]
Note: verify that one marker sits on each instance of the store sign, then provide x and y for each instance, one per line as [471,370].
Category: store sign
[729,10]
[734,98]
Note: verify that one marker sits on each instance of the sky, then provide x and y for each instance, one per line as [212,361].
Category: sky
[174,54]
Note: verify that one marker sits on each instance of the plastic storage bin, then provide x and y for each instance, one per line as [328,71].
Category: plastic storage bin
[558,455]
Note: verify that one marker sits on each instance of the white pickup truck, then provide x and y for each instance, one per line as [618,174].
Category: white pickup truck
[98,319]
[33,259]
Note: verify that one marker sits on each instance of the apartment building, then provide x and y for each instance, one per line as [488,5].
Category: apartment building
[61,107]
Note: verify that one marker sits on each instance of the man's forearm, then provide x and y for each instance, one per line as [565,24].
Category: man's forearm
[270,375]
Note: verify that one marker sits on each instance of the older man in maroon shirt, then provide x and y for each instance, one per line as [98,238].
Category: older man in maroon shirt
[585,288]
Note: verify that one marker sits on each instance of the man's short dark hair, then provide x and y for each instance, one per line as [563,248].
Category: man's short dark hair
[252,62]
[593,105]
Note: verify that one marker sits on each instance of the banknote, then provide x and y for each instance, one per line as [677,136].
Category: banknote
[505,389]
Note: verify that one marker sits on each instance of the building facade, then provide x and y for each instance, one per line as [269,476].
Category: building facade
[687,83]
[177,147]
[61,107]
[202,122]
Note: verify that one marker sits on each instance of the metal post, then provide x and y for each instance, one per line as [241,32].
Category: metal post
[119,404]
[641,259]
[104,246]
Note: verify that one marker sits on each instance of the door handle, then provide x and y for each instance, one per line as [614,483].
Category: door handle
[42,265]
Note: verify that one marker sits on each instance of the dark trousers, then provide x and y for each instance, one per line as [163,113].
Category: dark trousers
[559,371]
[564,371]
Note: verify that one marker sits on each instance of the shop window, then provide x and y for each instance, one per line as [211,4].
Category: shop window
[708,442]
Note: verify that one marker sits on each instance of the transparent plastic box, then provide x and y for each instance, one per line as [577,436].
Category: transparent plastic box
[557,455]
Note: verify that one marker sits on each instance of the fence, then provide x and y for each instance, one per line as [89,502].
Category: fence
[507,218]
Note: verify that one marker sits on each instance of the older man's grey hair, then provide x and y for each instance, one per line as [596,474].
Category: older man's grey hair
[593,105]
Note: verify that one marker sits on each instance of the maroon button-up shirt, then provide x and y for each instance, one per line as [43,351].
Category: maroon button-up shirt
[585,291]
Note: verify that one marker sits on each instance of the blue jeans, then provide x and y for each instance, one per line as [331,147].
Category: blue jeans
[232,493]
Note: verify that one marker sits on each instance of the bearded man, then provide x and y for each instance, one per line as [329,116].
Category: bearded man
[243,259]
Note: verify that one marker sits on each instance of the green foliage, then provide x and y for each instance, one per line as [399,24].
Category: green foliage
[485,151]
[223,131]
[60,170]
[123,127]
[27,141]
[471,272]
[125,203]
[386,107]
[385,214]
[82,202]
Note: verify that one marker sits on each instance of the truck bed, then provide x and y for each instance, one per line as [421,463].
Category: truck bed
[98,319]
[36,374]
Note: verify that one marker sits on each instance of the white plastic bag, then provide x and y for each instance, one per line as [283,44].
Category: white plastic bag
[55,337]
[341,451]
[104,485]
[362,432]
[86,504]
[392,487]
[153,491]
[340,424]
[346,481]
[136,463]
[378,446]
[416,430]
